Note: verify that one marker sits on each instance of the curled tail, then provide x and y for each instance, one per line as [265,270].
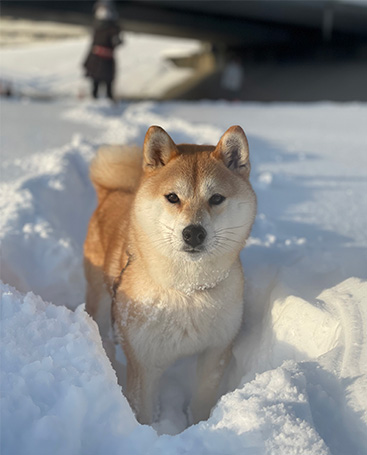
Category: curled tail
[116,167]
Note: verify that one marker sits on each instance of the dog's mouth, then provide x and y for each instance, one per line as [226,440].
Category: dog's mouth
[193,251]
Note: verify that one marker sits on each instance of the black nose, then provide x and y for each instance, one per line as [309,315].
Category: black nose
[194,235]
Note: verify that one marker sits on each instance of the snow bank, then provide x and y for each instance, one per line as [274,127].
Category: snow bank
[325,336]
[59,392]
[60,395]
[44,223]
[298,381]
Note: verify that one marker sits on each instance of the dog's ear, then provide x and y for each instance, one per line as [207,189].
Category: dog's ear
[159,148]
[233,150]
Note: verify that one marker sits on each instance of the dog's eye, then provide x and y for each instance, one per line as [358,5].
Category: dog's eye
[216,199]
[172,198]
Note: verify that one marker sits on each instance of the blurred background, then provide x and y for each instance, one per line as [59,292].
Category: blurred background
[293,74]
[236,50]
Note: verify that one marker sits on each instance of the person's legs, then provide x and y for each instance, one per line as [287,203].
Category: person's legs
[109,90]
[95,88]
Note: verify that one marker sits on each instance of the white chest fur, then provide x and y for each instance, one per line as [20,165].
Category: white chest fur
[164,325]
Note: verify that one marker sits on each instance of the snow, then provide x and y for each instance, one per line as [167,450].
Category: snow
[53,363]
[298,380]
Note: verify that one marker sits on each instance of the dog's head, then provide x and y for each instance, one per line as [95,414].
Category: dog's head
[196,201]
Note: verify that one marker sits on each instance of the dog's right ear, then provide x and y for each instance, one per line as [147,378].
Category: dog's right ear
[159,148]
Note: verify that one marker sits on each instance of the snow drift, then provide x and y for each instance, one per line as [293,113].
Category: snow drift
[299,376]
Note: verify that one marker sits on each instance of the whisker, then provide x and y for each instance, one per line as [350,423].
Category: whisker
[162,241]
[224,239]
[244,203]
[166,226]
[225,232]
[233,227]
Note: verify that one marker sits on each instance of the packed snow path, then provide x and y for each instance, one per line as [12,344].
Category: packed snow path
[299,375]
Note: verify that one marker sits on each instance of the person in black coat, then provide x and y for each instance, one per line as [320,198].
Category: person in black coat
[100,62]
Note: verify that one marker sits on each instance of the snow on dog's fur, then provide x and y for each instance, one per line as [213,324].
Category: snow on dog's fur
[163,246]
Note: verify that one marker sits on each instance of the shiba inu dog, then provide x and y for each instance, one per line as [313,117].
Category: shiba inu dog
[162,258]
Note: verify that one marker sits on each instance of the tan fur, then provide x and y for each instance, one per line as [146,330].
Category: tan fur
[174,298]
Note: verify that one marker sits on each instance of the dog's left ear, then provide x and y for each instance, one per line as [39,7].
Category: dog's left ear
[159,148]
[233,150]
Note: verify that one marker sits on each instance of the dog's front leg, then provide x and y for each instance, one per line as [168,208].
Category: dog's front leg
[142,386]
[210,369]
